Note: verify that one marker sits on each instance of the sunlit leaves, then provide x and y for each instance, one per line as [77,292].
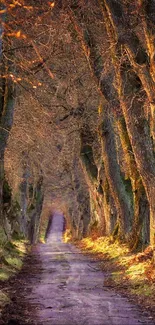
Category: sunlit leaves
[52,4]
[17,34]
[2,11]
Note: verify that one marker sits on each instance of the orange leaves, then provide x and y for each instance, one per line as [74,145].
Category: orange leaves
[144,256]
[28,7]
[51,4]
[100,109]
[2,11]
[150,273]
[15,3]
[17,34]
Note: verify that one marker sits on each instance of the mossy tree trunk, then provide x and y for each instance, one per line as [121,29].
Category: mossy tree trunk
[139,133]
[138,191]
[35,211]
[7,100]
[86,154]
[23,189]
[90,169]
[114,177]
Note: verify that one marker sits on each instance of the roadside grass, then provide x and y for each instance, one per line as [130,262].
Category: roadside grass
[4,299]
[11,260]
[67,236]
[133,274]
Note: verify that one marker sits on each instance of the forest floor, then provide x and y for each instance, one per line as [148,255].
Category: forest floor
[60,285]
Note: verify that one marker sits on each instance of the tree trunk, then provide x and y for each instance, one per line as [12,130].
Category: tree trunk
[6,121]
[1,188]
[113,174]
[139,133]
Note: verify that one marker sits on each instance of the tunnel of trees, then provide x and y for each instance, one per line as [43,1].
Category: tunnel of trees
[77,117]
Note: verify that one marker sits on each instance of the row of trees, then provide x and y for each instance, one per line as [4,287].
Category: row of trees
[126,84]
[84,110]
[20,202]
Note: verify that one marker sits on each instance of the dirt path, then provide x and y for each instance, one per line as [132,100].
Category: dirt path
[63,287]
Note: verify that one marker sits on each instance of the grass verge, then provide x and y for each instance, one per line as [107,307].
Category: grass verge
[11,260]
[132,274]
